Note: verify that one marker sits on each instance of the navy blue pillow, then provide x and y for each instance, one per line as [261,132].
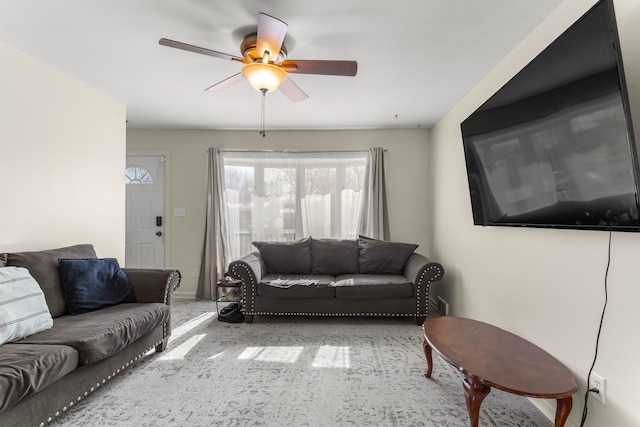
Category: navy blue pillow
[90,284]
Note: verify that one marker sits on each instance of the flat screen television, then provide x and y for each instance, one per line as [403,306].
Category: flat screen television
[554,147]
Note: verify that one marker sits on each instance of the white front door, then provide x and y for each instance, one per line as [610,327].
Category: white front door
[145,209]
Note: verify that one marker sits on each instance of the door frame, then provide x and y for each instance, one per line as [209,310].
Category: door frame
[167,195]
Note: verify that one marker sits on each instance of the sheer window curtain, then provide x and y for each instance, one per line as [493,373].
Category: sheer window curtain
[284,196]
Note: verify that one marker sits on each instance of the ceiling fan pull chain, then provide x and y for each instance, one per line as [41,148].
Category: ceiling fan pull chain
[262,130]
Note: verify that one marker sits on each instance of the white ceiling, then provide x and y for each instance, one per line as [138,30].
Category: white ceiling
[416,58]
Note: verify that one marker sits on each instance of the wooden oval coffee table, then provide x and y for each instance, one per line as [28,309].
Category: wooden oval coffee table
[489,357]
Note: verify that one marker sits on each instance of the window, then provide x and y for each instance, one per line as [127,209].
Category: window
[285,196]
[138,175]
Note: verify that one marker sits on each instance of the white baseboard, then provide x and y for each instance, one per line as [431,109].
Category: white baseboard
[548,408]
[184,295]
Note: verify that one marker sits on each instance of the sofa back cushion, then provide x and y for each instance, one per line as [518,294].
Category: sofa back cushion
[286,257]
[43,266]
[382,257]
[334,256]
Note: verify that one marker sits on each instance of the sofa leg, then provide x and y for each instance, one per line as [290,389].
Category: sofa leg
[420,320]
[161,347]
[248,318]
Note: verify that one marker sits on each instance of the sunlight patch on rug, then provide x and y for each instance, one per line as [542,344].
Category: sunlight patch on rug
[190,325]
[330,356]
[183,349]
[272,354]
[215,356]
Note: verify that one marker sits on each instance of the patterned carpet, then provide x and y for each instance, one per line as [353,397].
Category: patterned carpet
[282,371]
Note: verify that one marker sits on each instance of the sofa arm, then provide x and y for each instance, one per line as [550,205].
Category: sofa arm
[250,266]
[150,285]
[250,269]
[419,268]
[422,271]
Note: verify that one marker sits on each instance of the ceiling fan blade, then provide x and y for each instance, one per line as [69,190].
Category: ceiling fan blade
[271,32]
[236,78]
[202,50]
[292,91]
[330,68]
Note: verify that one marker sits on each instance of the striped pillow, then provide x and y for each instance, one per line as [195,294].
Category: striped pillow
[23,309]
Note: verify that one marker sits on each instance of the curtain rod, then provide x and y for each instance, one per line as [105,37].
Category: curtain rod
[292,151]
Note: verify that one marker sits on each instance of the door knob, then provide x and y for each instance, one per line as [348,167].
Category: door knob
[158,233]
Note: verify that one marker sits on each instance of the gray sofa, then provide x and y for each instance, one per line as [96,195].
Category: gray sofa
[44,374]
[331,277]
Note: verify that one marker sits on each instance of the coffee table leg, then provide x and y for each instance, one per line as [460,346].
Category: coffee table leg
[427,355]
[563,409]
[474,393]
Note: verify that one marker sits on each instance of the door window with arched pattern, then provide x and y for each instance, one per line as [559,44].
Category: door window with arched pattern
[138,175]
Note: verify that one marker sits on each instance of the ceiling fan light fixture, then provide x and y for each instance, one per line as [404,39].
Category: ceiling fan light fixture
[264,77]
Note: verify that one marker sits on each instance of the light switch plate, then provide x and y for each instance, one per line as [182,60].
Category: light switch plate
[179,212]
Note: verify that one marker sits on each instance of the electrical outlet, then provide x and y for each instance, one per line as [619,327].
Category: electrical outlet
[194,272]
[600,384]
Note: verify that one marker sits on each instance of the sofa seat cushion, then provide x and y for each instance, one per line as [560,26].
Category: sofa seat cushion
[101,333]
[373,286]
[26,369]
[296,286]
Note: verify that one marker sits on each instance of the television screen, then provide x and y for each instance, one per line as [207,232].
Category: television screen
[554,146]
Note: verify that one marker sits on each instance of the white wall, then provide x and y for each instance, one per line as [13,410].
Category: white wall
[62,157]
[186,151]
[544,285]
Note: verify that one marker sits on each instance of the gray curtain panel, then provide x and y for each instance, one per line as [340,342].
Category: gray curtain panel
[378,215]
[214,261]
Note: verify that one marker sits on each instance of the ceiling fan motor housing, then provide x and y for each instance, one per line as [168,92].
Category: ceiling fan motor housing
[248,50]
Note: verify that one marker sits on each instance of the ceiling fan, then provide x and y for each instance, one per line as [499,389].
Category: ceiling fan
[266,65]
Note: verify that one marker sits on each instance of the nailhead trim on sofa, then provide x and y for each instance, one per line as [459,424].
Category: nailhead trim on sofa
[86,393]
[248,299]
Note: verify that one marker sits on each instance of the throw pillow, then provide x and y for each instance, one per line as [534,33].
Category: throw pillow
[381,257]
[23,309]
[286,257]
[90,284]
[334,257]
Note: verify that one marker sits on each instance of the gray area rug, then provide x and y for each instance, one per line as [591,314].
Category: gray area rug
[291,371]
